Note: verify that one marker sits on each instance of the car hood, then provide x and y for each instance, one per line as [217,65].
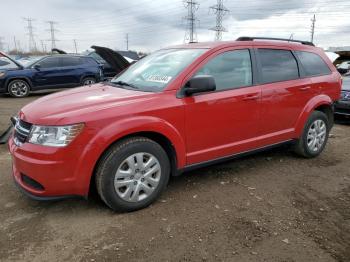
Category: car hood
[115,60]
[14,61]
[75,105]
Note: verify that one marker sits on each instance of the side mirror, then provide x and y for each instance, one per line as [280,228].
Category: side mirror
[200,84]
[37,67]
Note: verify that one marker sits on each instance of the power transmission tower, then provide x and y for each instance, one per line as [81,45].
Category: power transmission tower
[30,28]
[43,46]
[220,10]
[15,44]
[192,6]
[313,20]
[75,46]
[52,30]
[127,42]
[2,44]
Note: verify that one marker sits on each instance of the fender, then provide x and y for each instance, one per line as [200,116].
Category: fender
[308,109]
[117,130]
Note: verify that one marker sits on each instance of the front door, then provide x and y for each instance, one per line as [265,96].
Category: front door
[49,74]
[223,122]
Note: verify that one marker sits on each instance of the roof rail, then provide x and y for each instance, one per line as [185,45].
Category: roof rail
[249,38]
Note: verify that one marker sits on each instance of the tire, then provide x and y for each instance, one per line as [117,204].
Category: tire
[132,174]
[88,81]
[18,88]
[312,142]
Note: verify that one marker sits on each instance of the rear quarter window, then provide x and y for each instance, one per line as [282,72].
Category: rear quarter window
[277,65]
[313,64]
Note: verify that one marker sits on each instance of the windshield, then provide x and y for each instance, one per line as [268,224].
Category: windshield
[154,72]
[6,63]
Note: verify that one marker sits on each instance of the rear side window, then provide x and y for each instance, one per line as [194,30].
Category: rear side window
[49,62]
[277,65]
[89,61]
[313,64]
[71,61]
[231,69]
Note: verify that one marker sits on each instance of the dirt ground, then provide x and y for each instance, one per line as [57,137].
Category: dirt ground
[272,206]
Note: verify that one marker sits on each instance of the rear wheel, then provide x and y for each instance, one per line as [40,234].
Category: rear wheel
[314,137]
[88,81]
[132,174]
[18,88]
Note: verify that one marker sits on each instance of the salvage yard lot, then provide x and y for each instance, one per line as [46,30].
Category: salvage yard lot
[271,206]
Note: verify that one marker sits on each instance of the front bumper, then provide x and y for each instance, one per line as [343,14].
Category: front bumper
[44,173]
[342,108]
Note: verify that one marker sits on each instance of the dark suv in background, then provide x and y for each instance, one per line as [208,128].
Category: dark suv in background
[49,72]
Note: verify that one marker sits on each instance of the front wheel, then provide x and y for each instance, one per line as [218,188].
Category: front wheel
[18,88]
[132,174]
[314,137]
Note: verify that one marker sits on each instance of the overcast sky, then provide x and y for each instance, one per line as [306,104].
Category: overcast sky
[153,24]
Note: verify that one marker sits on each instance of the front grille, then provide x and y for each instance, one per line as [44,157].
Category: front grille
[22,130]
[31,182]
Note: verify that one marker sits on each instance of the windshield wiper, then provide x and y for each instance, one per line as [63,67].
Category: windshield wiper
[122,83]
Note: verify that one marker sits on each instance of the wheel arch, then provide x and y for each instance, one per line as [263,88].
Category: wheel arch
[24,78]
[321,103]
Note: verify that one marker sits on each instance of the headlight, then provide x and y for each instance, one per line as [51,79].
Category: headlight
[57,136]
[2,74]
[345,96]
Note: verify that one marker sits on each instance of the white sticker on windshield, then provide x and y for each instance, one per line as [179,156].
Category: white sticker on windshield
[159,79]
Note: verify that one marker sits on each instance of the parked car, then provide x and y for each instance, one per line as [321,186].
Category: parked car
[55,71]
[177,109]
[112,62]
[342,107]
[344,67]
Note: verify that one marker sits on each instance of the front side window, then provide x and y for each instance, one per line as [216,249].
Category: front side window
[277,65]
[232,69]
[49,62]
[313,64]
[6,63]
[154,72]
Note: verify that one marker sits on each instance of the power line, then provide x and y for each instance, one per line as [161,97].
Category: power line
[313,20]
[52,33]
[220,10]
[192,6]
[30,28]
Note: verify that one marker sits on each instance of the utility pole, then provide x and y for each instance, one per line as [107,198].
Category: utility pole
[52,30]
[15,44]
[30,28]
[313,20]
[220,10]
[75,46]
[127,42]
[2,44]
[192,6]
[291,36]
[43,46]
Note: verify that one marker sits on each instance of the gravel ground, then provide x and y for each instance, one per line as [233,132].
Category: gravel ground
[272,206]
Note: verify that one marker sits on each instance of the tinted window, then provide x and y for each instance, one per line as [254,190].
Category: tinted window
[231,69]
[89,61]
[49,62]
[313,64]
[70,61]
[277,65]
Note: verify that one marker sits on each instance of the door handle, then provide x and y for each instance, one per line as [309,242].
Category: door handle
[251,97]
[305,88]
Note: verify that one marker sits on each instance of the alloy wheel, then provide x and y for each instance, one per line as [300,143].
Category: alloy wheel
[137,177]
[19,88]
[316,135]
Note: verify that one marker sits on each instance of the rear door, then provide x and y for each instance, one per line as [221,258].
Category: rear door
[284,93]
[72,69]
[225,121]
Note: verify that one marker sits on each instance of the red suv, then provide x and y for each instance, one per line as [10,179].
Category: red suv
[177,109]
